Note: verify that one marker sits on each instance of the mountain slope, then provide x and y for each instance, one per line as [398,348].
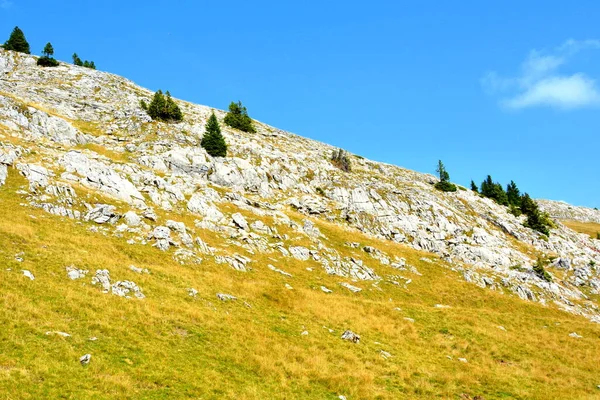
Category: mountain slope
[89,181]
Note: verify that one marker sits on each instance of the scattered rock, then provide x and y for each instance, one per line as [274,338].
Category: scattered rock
[324,289]
[240,221]
[385,354]
[139,270]
[28,274]
[192,292]
[226,297]
[75,273]
[300,253]
[63,334]
[348,286]
[351,336]
[85,359]
[272,268]
[101,214]
[575,335]
[463,360]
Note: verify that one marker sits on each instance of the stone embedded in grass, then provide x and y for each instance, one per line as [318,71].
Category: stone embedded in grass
[348,286]
[326,290]
[441,306]
[463,360]
[300,253]
[351,336]
[385,354]
[124,288]
[132,219]
[19,257]
[102,277]
[85,359]
[139,270]
[192,292]
[272,268]
[28,274]
[102,213]
[226,297]
[288,286]
[575,335]
[75,273]
[63,334]
[409,320]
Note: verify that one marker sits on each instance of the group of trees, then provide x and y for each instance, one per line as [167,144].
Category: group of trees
[163,108]
[17,42]
[518,203]
[77,61]
[238,118]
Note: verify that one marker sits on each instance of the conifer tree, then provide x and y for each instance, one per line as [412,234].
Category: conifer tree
[77,60]
[48,50]
[238,118]
[17,42]
[213,141]
[474,187]
[164,108]
[513,194]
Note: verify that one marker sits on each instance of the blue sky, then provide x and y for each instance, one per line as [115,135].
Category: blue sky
[506,88]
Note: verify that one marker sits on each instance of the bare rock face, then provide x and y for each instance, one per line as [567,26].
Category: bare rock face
[147,169]
[351,336]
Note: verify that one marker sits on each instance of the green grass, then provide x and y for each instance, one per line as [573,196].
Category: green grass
[170,345]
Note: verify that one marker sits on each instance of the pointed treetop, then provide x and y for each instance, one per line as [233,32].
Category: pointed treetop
[17,42]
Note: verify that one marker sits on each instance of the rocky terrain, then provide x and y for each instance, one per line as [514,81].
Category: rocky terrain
[72,131]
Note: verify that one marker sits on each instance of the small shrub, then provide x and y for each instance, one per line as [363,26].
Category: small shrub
[341,160]
[238,118]
[598,235]
[445,186]
[514,210]
[540,271]
[47,60]
[320,191]
[144,105]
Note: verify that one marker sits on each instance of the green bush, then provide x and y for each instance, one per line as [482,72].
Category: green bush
[341,160]
[17,42]
[47,60]
[540,270]
[238,118]
[445,186]
[598,235]
[163,108]
[213,141]
[494,191]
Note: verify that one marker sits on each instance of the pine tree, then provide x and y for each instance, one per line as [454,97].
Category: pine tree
[77,60]
[92,65]
[238,118]
[172,109]
[48,50]
[17,42]
[513,194]
[213,141]
[474,187]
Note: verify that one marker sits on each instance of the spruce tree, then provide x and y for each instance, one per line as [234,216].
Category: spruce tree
[474,186]
[513,194]
[213,141]
[238,118]
[164,108]
[48,50]
[17,42]
[77,60]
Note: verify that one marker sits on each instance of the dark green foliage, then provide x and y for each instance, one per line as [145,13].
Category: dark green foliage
[213,141]
[163,108]
[48,50]
[598,235]
[444,184]
[474,187]
[47,60]
[17,42]
[238,118]
[341,160]
[144,105]
[494,191]
[540,271]
[536,219]
[77,60]
[514,210]
[513,194]
[321,192]
[86,63]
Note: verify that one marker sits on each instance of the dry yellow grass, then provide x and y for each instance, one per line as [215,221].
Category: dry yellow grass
[170,345]
[589,228]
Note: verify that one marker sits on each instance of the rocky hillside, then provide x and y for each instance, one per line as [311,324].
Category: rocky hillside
[90,154]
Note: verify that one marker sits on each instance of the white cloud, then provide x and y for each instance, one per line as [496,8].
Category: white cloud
[540,82]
